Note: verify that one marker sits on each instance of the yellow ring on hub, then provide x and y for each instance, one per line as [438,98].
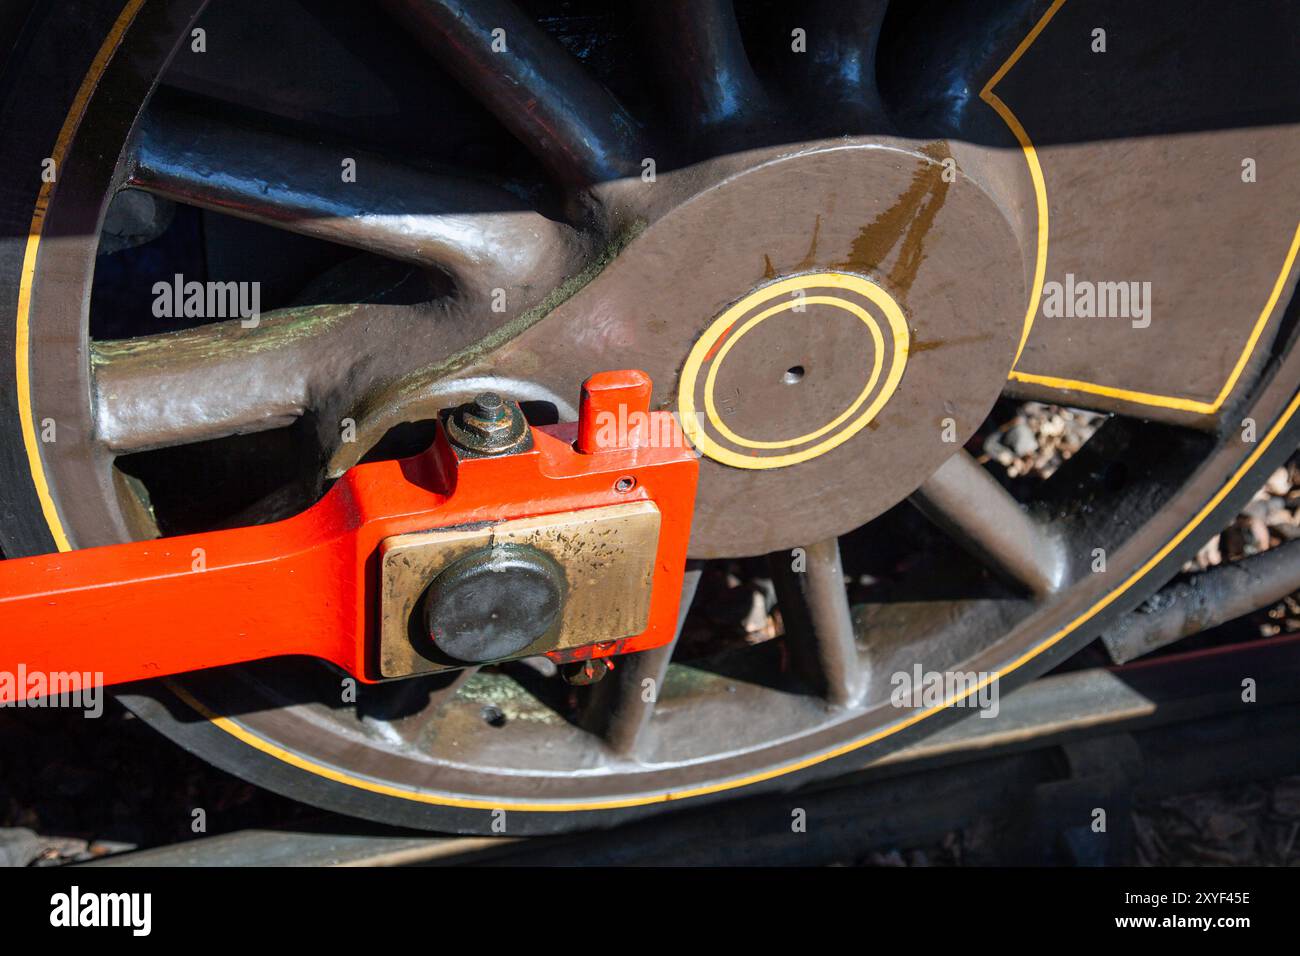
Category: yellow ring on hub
[867,319]
[702,348]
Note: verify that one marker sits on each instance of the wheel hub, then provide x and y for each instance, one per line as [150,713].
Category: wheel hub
[838,320]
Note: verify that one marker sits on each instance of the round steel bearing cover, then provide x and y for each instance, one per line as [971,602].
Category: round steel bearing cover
[494,602]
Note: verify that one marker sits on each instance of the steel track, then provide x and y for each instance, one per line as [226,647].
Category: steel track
[1096,736]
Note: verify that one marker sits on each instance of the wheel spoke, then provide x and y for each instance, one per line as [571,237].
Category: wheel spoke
[842,40]
[620,705]
[221,379]
[703,64]
[528,81]
[477,233]
[968,503]
[818,625]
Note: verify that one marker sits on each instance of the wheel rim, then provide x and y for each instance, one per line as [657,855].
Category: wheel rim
[596,753]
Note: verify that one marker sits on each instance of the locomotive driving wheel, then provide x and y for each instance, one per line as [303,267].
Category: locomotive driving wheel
[830,233]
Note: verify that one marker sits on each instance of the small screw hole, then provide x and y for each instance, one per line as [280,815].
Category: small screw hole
[493,717]
[793,375]
[625,484]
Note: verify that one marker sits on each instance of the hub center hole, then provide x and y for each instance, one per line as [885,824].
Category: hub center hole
[793,375]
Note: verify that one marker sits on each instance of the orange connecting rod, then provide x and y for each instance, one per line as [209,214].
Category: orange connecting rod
[308,585]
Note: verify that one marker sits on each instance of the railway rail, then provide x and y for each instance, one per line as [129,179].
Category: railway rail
[1060,747]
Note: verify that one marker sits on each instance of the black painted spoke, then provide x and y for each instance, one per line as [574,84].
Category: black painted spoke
[620,706]
[482,236]
[842,36]
[703,64]
[530,83]
[982,516]
[818,625]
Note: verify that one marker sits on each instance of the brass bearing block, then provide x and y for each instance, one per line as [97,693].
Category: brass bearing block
[516,588]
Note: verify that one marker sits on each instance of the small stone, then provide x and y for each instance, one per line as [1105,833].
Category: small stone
[1256,509]
[999,452]
[19,846]
[1279,517]
[756,620]
[108,848]
[1233,541]
[1288,531]
[1279,483]
[1020,439]
[1258,535]
[1210,554]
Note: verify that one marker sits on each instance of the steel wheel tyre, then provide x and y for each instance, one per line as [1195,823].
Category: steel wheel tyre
[912,217]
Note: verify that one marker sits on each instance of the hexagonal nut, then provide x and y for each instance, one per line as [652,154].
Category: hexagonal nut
[487,428]
[488,425]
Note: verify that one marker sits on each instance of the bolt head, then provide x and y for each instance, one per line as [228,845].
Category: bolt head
[488,425]
[489,406]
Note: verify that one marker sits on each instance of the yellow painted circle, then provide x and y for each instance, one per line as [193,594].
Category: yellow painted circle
[862,314]
[701,352]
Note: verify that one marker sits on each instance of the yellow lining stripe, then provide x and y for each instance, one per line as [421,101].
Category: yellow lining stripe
[22,340]
[1035,170]
[22,359]
[1040,266]
[229,726]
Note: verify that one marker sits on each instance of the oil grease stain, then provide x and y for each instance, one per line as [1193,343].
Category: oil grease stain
[924,345]
[810,259]
[908,220]
[769,270]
